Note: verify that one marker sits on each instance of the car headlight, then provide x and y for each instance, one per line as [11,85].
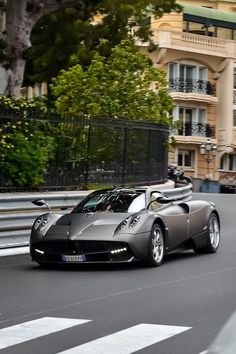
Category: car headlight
[44,222]
[41,222]
[130,222]
[134,221]
[37,223]
[124,222]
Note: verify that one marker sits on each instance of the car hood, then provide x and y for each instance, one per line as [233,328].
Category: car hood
[75,226]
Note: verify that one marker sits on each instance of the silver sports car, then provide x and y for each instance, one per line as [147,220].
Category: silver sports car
[124,225]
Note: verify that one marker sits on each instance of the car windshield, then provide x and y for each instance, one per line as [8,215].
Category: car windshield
[116,201]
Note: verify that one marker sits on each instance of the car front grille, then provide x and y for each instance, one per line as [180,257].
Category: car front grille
[95,251]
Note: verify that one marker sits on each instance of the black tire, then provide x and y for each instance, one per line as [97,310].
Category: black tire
[156,247]
[44,265]
[213,236]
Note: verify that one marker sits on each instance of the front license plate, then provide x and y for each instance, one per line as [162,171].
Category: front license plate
[79,258]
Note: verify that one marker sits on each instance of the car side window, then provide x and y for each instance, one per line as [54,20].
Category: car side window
[137,204]
[155,204]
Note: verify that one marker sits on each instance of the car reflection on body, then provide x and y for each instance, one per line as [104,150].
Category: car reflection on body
[124,225]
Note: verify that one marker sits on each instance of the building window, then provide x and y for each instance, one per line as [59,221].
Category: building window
[235,78]
[192,121]
[234,88]
[187,71]
[225,33]
[218,28]
[228,162]
[234,118]
[185,77]
[189,114]
[186,158]
[201,116]
[234,98]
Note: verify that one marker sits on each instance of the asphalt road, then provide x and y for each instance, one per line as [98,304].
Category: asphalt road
[175,309]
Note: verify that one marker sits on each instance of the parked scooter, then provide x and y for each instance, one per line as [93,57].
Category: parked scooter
[177,174]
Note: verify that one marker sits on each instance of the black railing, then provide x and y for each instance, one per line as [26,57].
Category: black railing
[88,152]
[195,129]
[192,86]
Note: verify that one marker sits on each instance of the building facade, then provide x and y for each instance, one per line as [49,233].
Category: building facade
[197,49]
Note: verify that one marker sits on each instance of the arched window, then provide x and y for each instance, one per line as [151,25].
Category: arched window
[228,162]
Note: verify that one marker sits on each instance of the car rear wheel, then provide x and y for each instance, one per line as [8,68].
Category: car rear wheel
[213,236]
[156,246]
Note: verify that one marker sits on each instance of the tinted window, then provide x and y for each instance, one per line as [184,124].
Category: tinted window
[121,201]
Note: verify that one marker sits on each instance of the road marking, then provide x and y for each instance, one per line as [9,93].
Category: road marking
[33,329]
[13,251]
[128,340]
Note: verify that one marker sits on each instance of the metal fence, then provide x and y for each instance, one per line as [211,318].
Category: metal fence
[82,153]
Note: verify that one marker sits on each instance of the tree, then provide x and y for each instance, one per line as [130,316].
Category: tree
[26,144]
[17,19]
[125,85]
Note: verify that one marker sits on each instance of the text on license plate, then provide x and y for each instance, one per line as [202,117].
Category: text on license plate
[77,258]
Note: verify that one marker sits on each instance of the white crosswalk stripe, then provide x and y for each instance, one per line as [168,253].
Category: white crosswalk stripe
[128,341]
[34,329]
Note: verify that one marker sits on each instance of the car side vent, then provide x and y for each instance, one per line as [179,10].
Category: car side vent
[185,207]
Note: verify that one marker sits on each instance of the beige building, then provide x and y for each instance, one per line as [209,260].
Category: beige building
[197,49]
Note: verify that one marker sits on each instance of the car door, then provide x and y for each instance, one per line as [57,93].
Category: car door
[176,219]
[198,219]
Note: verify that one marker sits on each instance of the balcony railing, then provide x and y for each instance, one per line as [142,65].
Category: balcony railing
[194,43]
[195,129]
[192,86]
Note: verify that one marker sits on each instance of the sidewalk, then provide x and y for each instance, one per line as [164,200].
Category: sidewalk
[10,246]
[12,251]
[14,242]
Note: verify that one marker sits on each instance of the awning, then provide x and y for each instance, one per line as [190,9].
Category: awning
[209,17]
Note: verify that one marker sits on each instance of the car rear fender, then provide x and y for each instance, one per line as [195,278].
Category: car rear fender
[217,214]
[212,210]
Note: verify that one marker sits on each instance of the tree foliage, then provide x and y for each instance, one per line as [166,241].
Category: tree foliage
[25,151]
[124,85]
[59,35]
[17,19]
[26,145]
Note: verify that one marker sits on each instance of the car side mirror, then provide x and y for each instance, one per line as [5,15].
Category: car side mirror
[38,202]
[159,197]
[162,199]
[41,202]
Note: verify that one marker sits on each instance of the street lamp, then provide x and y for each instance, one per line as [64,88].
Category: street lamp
[208,150]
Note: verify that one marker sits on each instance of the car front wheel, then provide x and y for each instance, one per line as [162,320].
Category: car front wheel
[156,246]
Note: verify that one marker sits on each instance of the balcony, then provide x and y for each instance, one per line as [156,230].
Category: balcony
[193,90]
[194,43]
[195,129]
[192,86]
